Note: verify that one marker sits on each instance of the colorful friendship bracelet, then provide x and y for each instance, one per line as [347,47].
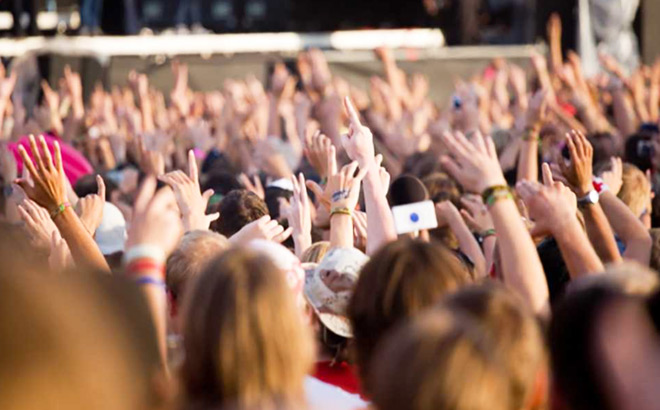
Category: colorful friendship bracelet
[60,209]
[495,193]
[487,233]
[146,280]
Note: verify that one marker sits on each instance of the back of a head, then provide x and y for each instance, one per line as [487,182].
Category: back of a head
[439,360]
[189,259]
[237,209]
[245,342]
[576,368]
[401,279]
[627,277]
[635,190]
[61,347]
[514,335]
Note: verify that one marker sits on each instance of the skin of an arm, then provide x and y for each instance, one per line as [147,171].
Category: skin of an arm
[380,223]
[466,241]
[624,114]
[579,256]
[528,160]
[521,266]
[341,231]
[84,250]
[629,228]
[600,233]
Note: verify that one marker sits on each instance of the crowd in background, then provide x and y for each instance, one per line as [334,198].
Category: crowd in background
[236,249]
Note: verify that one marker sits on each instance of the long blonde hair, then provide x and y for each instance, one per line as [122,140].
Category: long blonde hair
[245,342]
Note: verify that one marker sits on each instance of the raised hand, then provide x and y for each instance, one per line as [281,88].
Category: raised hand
[191,201]
[90,208]
[253,186]
[359,142]
[299,215]
[536,113]
[49,189]
[475,214]
[551,206]
[321,154]
[578,171]
[38,224]
[155,219]
[345,187]
[262,228]
[60,258]
[474,163]
[151,162]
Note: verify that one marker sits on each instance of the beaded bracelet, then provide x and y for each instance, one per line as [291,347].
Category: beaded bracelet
[60,209]
[531,134]
[495,193]
[487,233]
[340,211]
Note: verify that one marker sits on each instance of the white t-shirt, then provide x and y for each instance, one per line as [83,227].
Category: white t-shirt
[324,396]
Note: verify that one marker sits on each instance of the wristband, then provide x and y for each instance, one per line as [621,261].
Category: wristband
[340,211]
[60,209]
[599,185]
[145,265]
[145,251]
[487,233]
[495,193]
[146,280]
[531,134]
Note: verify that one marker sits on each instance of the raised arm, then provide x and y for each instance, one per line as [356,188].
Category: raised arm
[448,213]
[345,193]
[578,176]
[553,208]
[49,191]
[359,146]
[475,165]
[528,160]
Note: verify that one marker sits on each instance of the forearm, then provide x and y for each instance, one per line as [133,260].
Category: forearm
[341,231]
[301,242]
[273,128]
[528,161]
[84,250]
[624,114]
[146,272]
[628,227]
[578,254]
[380,223]
[521,266]
[600,234]
[147,114]
[467,243]
[488,245]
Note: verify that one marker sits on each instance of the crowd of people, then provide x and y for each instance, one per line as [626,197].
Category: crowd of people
[236,249]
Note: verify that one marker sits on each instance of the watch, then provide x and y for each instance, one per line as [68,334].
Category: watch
[590,199]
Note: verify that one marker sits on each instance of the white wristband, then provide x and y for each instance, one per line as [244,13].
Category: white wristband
[144,251]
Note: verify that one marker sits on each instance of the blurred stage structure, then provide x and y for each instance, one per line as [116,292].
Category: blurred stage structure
[213,58]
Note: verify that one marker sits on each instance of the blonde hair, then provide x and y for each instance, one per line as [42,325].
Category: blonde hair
[438,361]
[514,334]
[635,190]
[629,277]
[245,341]
[315,253]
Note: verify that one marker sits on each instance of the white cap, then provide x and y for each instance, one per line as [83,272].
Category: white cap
[111,233]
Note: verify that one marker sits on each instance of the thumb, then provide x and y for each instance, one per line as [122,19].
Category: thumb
[208,194]
[212,217]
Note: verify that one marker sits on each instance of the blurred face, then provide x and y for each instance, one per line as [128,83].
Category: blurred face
[338,281]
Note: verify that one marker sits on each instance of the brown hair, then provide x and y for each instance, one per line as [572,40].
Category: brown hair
[237,209]
[400,280]
[514,335]
[635,190]
[245,341]
[438,361]
[190,257]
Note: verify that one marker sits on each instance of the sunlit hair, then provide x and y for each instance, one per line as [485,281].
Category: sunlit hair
[635,190]
[401,279]
[438,361]
[244,339]
[514,335]
[60,347]
[628,277]
[315,253]
[190,257]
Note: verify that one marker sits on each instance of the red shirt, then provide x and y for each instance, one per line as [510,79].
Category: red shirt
[341,375]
